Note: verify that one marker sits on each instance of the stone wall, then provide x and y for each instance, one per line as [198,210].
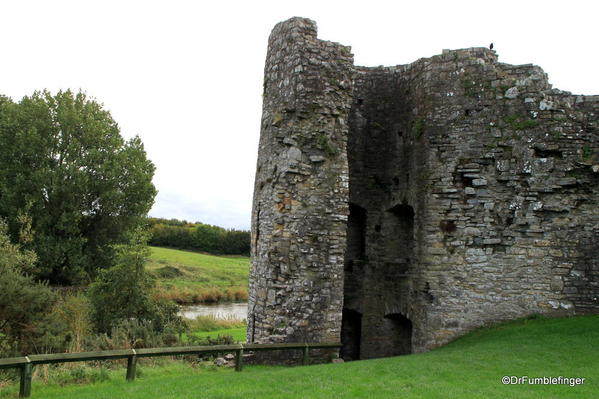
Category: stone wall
[473,198]
[501,174]
[301,190]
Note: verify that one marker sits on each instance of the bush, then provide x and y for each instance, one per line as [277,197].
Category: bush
[74,311]
[80,374]
[124,293]
[26,325]
[225,339]
[140,334]
[168,272]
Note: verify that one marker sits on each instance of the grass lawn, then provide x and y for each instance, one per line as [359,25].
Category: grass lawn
[471,367]
[190,277]
[209,326]
[238,333]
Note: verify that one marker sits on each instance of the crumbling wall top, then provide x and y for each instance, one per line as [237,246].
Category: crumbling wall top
[295,28]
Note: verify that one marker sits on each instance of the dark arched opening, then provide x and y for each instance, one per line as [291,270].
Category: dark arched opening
[356,236]
[351,334]
[399,233]
[399,330]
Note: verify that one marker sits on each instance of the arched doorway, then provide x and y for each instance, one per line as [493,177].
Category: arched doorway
[351,334]
[399,330]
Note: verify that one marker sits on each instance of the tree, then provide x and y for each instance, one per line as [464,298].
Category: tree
[208,238]
[198,236]
[24,304]
[236,242]
[123,293]
[64,163]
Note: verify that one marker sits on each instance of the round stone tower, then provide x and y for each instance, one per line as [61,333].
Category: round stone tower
[301,192]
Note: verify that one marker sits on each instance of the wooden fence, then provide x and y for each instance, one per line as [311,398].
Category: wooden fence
[26,363]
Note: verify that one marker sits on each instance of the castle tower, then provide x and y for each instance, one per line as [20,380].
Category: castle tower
[301,190]
[397,208]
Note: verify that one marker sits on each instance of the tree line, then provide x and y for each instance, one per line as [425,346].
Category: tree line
[74,197]
[198,237]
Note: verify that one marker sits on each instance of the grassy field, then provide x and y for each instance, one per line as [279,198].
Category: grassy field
[190,277]
[237,333]
[471,367]
[209,326]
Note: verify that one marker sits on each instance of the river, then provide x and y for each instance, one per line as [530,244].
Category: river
[235,310]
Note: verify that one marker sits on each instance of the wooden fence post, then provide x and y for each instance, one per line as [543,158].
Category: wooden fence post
[306,356]
[26,363]
[239,360]
[26,374]
[131,364]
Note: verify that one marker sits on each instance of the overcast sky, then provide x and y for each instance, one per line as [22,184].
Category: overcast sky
[186,76]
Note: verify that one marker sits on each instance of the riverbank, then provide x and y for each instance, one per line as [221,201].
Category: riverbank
[195,278]
[223,330]
[225,311]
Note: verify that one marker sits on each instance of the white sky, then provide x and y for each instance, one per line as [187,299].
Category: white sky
[186,76]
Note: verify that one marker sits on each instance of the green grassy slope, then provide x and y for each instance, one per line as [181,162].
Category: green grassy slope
[471,367]
[190,277]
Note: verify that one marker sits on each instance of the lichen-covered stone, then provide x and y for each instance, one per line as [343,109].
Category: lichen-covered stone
[396,208]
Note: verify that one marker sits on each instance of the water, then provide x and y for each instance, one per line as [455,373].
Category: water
[235,310]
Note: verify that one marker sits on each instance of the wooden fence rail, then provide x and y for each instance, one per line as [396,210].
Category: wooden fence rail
[26,363]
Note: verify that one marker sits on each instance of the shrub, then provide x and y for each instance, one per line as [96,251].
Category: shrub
[26,325]
[124,292]
[74,311]
[168,271]
[78,374]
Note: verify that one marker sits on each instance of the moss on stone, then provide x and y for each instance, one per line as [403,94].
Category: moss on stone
[587,152]
[277,118]
[518,122]
[418,128]
[325,144]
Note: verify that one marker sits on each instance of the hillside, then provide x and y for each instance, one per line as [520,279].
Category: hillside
[191,277]
[471,367]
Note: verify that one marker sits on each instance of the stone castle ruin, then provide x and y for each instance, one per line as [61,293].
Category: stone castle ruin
[397,208]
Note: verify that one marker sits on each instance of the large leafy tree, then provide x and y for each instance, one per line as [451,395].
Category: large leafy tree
[64,163]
